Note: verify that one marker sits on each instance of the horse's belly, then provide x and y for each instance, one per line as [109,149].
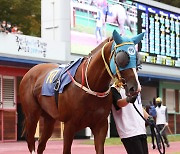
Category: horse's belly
[111,19]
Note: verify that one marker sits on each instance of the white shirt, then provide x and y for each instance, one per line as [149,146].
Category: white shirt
[99,21]
[161,115]
[128,122]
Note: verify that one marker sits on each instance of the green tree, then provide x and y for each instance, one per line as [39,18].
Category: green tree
[24,13]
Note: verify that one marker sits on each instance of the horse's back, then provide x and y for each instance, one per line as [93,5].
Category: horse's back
[118,14]
[38,71]
[120,11]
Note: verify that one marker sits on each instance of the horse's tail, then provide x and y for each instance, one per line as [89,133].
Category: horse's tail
[23,134]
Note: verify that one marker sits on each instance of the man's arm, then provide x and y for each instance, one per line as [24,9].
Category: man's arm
[146,115]
[166,114]
[122,102]
[118,102]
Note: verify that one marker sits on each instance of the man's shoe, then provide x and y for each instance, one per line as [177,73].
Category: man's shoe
[153,146]
[159,146]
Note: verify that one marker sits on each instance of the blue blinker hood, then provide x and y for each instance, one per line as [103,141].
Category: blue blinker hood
[127,45]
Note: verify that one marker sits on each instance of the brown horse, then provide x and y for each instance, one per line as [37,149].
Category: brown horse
[78,107]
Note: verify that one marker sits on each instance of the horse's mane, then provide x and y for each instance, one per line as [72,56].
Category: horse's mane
[100,45]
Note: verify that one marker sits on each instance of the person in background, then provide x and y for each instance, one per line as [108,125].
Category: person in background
[15,30]
[151,109]
[1,29]
[8,28]
[154,101]
[3,26]
[130,125]
[162,121]
[99,25]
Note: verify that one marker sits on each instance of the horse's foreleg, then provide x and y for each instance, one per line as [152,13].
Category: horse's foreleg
[69,132]
[99,132]
[48,127]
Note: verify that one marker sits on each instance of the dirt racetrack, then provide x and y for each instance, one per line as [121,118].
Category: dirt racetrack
[56,147]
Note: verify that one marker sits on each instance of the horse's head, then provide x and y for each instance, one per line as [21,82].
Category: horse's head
[124,62]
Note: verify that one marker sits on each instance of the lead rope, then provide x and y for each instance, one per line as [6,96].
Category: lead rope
[154,133]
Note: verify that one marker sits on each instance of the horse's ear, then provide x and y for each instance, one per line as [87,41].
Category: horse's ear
[138,38]
[117,38]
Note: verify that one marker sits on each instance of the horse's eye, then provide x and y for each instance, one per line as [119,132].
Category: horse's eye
[122,59]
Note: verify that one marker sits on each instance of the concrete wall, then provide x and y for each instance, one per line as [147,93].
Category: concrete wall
[55,26]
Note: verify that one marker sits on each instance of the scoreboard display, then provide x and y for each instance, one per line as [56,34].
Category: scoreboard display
[161,44]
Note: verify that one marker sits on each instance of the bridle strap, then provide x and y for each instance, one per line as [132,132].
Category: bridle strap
[124,43]
[119,45]
[117,78]
[106,65]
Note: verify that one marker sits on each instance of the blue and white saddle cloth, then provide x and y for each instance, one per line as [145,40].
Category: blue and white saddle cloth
[61,74]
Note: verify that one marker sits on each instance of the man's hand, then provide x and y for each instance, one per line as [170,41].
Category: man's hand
[150,120]
[131,99]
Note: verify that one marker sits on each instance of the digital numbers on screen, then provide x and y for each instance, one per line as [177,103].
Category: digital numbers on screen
[161,44]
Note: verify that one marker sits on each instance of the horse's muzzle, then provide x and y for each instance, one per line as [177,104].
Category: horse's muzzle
[133,90]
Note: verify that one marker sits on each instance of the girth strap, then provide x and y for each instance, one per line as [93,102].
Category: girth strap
[56,90]
[58,83]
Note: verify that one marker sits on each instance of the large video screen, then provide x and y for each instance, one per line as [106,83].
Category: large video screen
[88,26]
[161,44]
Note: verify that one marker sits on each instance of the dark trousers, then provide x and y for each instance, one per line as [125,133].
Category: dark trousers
[136,144]
[163,133]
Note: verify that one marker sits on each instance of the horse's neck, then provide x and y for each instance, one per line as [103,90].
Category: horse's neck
[98,77]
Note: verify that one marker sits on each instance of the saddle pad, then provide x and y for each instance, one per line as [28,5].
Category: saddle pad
[60,72]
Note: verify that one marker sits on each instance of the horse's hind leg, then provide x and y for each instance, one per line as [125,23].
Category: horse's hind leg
[31,121]
[48,126]
[32,113]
